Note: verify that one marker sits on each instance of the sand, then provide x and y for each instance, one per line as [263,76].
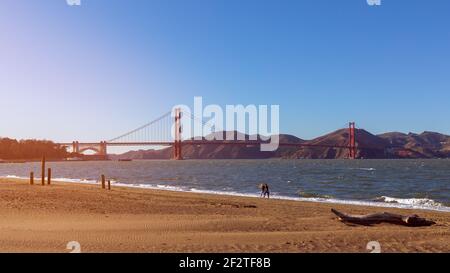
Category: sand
[45,218]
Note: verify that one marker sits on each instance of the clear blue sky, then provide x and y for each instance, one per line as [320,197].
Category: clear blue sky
[95,71]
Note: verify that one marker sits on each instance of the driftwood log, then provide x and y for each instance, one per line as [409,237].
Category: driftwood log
[376,218]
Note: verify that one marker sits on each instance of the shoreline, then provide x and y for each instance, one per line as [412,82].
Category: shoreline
[320,200]
[44,218]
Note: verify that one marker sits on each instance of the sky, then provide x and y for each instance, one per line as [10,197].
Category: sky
[94,71]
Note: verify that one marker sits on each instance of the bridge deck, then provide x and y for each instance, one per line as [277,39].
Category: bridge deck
[215,142]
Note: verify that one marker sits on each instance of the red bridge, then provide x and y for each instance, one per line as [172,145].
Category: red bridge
[159,133]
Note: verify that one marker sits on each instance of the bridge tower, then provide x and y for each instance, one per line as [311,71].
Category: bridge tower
[75,147]
[103,148]
[352,141]
[177,142]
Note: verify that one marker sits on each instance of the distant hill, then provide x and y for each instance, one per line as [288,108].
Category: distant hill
[340,138]
[424,145]
[387,145]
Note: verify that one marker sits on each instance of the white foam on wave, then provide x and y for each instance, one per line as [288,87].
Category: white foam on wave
[410,201]
[13,177]
[70,180]
[384,201]
[364,169]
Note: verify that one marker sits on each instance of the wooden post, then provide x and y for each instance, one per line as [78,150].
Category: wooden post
[43,171]
[103,181]
[109,184]
[31,178]
[49,178]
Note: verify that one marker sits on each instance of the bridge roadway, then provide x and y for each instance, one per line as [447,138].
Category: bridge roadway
[212,142]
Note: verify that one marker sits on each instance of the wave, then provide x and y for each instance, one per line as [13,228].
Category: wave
[313,195]
[14,177]
[70,180]
[364,169]
[415,202]
[383,201]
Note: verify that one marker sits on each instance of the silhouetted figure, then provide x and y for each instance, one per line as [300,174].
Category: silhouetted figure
[265,190]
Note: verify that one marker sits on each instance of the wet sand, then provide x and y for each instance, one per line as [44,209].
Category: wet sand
[45,218]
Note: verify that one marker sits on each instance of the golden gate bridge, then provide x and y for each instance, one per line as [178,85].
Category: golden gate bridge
[167,131]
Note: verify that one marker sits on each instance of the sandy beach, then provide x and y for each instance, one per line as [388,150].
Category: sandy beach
[45,218]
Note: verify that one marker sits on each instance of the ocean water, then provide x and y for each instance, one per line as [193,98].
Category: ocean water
[419,184]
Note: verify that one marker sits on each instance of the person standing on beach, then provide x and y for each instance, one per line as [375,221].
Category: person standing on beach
[265,190]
